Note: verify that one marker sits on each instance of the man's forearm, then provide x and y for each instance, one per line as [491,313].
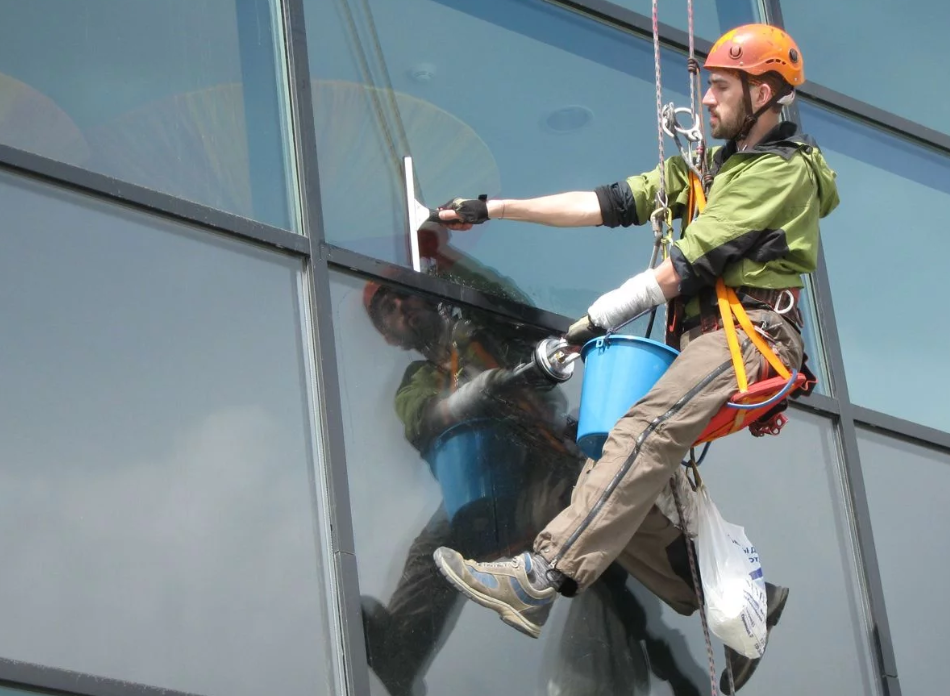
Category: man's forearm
[668,279]
[571,209]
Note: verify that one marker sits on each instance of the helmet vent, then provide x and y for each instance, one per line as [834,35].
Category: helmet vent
[735,52]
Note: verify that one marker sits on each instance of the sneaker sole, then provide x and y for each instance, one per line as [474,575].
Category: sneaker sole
[780,599]
[504,611]
[742,678]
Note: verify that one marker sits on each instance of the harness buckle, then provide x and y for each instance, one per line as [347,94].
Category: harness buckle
[786,293]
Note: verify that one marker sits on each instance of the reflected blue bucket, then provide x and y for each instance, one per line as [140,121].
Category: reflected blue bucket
[475,461]
[618,372]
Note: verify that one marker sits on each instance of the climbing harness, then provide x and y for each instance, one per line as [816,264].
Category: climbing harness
[760,406]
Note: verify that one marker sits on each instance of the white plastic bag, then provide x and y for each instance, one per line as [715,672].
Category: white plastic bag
[732,579]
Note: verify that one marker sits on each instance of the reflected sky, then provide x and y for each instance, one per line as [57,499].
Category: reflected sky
[786,491]
[834,36]
[156,491]
[883,249]
[182,97]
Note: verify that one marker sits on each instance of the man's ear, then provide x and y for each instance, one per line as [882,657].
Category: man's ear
[765,93]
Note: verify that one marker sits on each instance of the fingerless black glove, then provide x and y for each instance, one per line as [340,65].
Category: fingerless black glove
[473,211]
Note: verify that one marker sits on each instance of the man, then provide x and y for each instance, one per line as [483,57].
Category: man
[464,376]
[759,233]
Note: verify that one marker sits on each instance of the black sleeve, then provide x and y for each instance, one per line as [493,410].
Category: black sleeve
[618,207]
[691,282]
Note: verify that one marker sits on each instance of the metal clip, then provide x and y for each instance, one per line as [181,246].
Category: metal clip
[672,127]
[791,302]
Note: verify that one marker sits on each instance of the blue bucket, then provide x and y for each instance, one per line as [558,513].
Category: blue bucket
[476,461]
[618,372]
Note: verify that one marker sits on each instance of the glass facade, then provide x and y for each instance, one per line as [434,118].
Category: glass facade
[911,573]
[157,479]
[710,19]
[229,451]
[407,500]
[899,78]
[557,103]
[867,254]
[182,97]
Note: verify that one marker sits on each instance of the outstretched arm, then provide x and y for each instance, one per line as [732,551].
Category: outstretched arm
[571,209]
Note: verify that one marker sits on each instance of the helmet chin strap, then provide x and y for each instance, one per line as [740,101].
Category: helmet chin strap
[784,96]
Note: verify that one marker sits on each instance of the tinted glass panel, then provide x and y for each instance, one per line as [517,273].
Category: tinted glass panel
[180,96]
[886,266]
[710,19]
[156,502]
[833,37]
[908,497]
[406,459]
[512,98]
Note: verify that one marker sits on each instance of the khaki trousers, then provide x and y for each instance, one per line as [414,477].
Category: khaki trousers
[612,515]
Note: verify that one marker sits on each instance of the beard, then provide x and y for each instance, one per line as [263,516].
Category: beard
[727,129]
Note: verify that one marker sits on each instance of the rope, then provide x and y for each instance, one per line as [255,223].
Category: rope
[699,595]
[661,194]
[695,88]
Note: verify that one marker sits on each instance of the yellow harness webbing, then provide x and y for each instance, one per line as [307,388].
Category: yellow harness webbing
[730,306]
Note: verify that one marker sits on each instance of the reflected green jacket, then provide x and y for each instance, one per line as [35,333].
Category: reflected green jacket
[481,344]
[760,226]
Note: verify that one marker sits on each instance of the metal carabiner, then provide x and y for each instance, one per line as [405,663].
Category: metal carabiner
[672,127]
[693,134]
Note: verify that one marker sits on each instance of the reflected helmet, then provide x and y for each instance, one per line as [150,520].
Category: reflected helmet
[757,49]
[370,291]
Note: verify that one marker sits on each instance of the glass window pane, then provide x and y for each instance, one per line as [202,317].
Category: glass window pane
[157,485]
[907,496]
[180,96]
[878,273]
[503,97]
[614,638]
[834,39]
[710,19]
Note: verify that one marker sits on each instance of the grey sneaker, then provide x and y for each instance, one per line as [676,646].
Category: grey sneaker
[742,666]
[503,586]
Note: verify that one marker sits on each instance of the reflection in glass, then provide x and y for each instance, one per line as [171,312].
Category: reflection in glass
[468,450]
[710,19]
[833,37]
[907,487]
[502,97]
[882,283]
[397,375]
[182,97]
[156,516]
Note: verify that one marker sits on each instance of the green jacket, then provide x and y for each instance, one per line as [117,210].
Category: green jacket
[760,226]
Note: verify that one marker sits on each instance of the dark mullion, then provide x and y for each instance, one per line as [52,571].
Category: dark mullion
[17,674]
[862,111]
[347,260]
[677,39]
[329,407]
[931,438]
[634,22]
[106,187]
[881,640]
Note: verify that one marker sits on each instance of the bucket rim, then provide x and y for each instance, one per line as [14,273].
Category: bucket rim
[467,425]
[624,338]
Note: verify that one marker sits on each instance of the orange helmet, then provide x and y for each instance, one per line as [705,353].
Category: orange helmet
[757,49]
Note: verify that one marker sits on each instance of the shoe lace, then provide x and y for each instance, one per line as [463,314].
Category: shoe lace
[505,563]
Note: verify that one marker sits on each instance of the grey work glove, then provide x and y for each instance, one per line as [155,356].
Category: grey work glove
[582,331]
[472,211]
[476,398]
